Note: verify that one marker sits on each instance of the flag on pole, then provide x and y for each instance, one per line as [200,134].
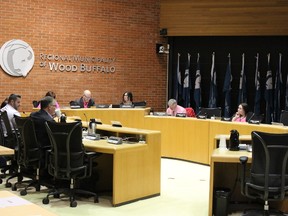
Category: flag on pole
[187,84]
[178,85]
[257,88]
[242,98]
[197,86]
[227,89]
[269,94]
[277,91]
[213,85]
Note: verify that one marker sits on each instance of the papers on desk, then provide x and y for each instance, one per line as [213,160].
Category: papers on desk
[12,201]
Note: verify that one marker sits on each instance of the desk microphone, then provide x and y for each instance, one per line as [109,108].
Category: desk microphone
[85,117]
[249,120]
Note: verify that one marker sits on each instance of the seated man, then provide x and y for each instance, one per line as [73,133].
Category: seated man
[46,113]
[173,108]
[86,100]
[14,102]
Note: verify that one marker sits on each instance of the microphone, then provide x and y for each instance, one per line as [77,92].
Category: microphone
[85,117]
[249,120]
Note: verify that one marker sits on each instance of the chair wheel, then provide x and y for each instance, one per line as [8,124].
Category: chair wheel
[23,192]
[96,200]
[73,204]
[45,201]
[8,184]
[1,181]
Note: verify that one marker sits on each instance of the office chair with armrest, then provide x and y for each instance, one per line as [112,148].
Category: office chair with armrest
[10,141]
[68,159]
[190,112]
[268,178]
[209,112]
[29,154]
[284,117]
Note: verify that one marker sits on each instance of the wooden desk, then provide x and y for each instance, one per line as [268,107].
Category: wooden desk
[182,138]
[132,171]
[225,170]
[129,117]
[6,151]
[20,206]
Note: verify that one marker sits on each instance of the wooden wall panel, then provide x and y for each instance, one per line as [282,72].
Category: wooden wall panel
[224,17]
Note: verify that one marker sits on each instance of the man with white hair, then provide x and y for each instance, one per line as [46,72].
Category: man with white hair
[86,100]
[173,108]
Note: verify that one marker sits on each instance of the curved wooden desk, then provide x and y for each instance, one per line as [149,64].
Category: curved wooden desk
[129,117]
[131,171]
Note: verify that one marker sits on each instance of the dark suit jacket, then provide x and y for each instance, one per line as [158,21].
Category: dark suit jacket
[81,102]
[39,118]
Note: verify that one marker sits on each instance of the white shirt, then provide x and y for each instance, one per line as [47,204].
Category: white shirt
[10,113]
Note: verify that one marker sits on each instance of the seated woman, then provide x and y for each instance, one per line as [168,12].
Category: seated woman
[127,99]
[53,95]
[241,114]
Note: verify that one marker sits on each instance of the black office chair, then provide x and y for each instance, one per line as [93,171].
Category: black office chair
[284,117]
[140,104]
[68,160]
[268,178]
[35,103]
[9,140]
[209,112]
[29,154]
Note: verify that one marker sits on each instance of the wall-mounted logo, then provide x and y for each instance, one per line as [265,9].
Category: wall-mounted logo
[16,58]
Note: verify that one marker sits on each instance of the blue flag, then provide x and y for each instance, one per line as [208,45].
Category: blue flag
[242,97]
[269,94]
[197,86]
[187,84]
[213,85]
[177,81]
[227,89]
[257,88]
[277,91]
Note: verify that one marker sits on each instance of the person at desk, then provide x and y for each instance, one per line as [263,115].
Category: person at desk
[174,108]
[127,99]
[241,114]
[86,100]
[14,102]
[51,94]
[46,113]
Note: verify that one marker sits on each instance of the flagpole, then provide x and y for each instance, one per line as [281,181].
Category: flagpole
[167,73]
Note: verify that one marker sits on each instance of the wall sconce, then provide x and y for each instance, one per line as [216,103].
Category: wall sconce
[161,48]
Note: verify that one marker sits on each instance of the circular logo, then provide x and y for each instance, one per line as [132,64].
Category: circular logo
[16,58]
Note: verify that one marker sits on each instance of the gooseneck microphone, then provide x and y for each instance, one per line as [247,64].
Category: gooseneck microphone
[86,117]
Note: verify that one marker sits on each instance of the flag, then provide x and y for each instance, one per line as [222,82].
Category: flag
[227,89]
[257,88]
[213,85]
[187,84]
[197,86]
[269,94]
[277,91]
[178,85]
[242,98]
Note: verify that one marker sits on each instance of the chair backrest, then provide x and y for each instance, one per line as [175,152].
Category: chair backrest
[269,161]
[140,104]
[209,112]
[9,135]
[284,117]
[254,118]
[67,152]
[29,150]
[35,103]
[190,112]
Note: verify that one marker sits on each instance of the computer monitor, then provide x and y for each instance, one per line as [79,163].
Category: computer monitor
[209,112]
[115,106]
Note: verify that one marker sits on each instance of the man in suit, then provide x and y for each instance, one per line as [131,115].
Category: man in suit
[46,113]
[86,100]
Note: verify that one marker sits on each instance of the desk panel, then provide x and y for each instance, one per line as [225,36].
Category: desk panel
[129,117]
[182,138]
